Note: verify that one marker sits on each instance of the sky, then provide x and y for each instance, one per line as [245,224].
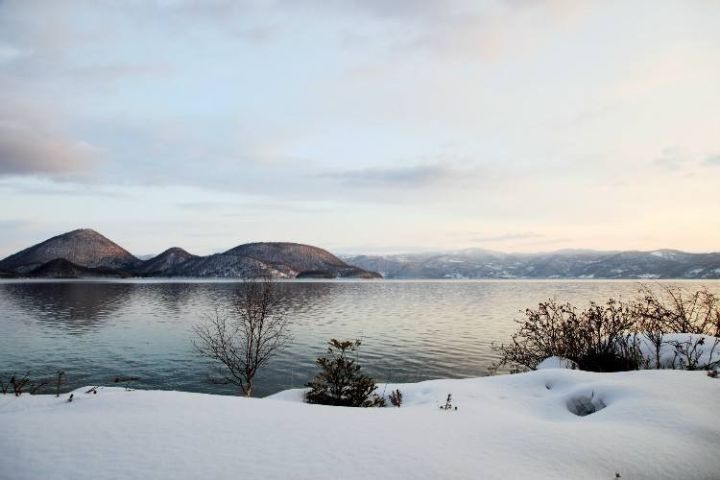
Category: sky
[362,126]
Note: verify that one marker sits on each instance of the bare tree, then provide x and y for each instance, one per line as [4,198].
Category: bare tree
[244,338]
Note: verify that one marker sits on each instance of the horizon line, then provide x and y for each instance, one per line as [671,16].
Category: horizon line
[409,252]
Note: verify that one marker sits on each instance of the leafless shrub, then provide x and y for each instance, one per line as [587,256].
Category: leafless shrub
[396,398]
[543,334]
[36,385]
[244,339]
[448,404]
[24,383]
[600,338]
[19,383]
[689,354]
[682,311]
[60,377]
[609,337]
[667,309]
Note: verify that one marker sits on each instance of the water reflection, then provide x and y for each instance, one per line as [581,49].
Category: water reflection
[72,306]
[411,331]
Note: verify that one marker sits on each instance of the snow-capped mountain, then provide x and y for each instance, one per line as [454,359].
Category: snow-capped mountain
[561,264]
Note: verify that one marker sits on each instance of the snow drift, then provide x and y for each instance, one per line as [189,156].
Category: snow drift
[552,423]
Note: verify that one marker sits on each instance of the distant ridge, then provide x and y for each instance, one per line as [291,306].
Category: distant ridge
[86,253]
[570,264]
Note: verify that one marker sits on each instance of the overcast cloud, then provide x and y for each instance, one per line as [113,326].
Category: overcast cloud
[363,122]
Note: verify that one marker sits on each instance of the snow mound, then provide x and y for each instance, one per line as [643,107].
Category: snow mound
[557,362]
[547,424]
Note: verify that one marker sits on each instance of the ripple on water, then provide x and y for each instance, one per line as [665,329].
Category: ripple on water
[411,331]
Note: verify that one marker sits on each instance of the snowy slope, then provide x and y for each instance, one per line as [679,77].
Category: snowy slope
[655,425]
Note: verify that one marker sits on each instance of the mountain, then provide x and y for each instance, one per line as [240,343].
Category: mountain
[562,264]
[278,259]
[5,274]
[61,268]
[86,253]
[83,247]
[165,262]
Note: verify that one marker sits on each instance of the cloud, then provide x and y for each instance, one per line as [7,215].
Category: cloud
[712,160]
[65,189]
[676,159]
[406,176]
[671,158]
[262,206]
[34,149]
[508,237]
[461,29]
[9,53]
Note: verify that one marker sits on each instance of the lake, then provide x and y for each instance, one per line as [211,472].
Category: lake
[410,330]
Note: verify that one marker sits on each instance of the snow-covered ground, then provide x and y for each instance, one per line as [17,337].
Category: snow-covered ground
[653,424]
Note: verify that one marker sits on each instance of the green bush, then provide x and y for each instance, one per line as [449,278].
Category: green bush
[340,381]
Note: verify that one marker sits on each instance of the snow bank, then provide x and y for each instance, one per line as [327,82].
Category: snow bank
[647,424]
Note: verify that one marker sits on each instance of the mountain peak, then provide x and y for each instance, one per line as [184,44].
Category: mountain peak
[278,259]
[83,247]
[176,251]
[81,231]
[165,261]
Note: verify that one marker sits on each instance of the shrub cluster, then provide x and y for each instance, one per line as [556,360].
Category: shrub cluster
[611,336]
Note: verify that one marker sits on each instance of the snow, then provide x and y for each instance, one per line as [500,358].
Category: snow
[652,424]
[557,362]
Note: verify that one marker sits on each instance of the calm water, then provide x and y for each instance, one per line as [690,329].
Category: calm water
[411,331]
